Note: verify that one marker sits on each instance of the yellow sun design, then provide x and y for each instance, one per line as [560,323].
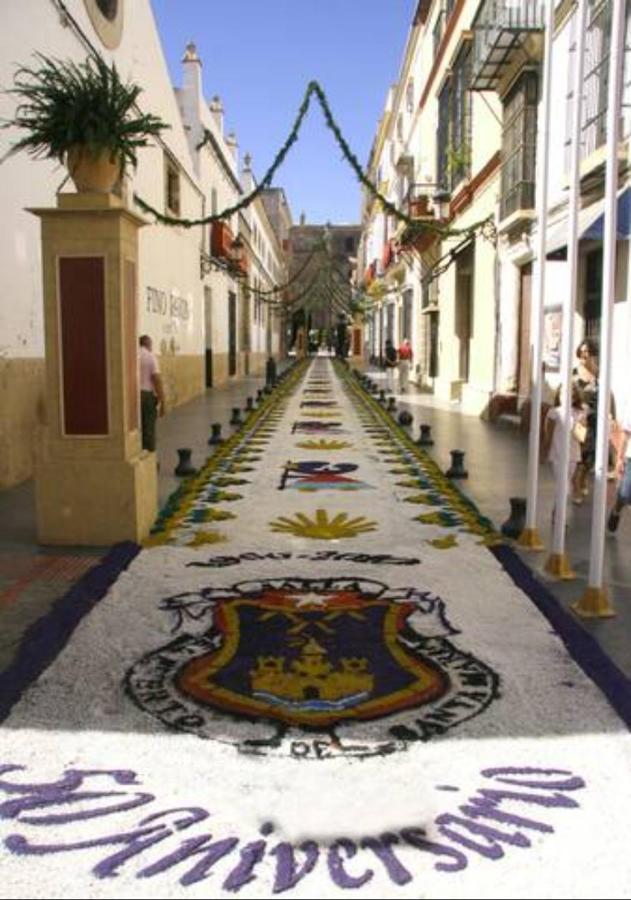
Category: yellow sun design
[323,528]
[202,538]
[323,444]
[445,543]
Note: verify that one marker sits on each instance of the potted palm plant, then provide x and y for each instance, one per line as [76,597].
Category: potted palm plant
[82,114]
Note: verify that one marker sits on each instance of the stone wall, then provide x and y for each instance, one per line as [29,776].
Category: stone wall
[22,413]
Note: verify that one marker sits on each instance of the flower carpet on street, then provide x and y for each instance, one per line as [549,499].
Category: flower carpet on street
[324,675]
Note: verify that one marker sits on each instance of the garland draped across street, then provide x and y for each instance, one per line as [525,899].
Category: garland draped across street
[313,88]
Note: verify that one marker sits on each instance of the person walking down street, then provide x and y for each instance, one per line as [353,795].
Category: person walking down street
[585,379]
[151,393]
[391,365]
[552,444]
[623,472]
[405,361]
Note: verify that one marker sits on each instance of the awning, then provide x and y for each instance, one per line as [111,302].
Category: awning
[591,224]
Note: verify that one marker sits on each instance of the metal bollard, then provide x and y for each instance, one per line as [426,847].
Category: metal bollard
[236,416]
[392,405]
[516,522]
[457,469]
[184,466]
[404,418]
[425,439]
[215,437]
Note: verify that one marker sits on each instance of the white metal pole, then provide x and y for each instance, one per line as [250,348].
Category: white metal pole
[569,300]
[529,537]
[608,295]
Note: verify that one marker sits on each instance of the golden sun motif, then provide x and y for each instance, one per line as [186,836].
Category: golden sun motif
[323,444]
[323,528]
[202,538]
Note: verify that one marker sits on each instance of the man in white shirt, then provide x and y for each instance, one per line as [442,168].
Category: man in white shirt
[623,472]
[151,393]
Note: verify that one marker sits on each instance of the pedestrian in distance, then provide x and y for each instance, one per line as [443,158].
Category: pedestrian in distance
[391,365]
[623,472]
[151,393]
[405,361]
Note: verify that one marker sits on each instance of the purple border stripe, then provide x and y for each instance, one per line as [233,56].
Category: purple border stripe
[46,638]
[581,645]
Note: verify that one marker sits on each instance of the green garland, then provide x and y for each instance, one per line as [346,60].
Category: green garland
[312,88]
[281,287]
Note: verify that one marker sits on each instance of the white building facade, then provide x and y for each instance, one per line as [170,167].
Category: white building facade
[190,291]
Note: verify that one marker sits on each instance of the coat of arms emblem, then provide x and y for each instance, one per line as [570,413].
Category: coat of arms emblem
[345,658]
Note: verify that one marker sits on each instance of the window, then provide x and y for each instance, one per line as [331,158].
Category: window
[597,44]
[439,28]
[109,8]
[399,127]
[349,244]
[519,146]
[172,187]
[442,138]
[107,18]
[459,158]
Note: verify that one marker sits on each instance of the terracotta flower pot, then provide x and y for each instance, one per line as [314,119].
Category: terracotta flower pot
[95,173]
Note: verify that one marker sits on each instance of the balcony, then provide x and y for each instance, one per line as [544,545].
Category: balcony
[502,29]
[420,201]
[227,254]
[221,240]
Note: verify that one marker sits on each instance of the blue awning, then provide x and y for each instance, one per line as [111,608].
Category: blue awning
[591,224]
[596,230]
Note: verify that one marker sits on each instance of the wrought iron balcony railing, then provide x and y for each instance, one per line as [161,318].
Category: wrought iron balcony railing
[499,30]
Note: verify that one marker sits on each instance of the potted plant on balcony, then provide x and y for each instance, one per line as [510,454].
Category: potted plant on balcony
[82,114]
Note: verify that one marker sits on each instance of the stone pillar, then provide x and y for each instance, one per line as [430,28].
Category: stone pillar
[301,348]
[357,357]
[94,485]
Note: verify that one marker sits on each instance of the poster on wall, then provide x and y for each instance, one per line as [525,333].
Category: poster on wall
[552,323]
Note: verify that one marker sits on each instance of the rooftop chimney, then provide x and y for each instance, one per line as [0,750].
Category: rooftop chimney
[233,146]
[216,109]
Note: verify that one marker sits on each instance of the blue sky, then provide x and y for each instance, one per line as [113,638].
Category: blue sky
[259,56]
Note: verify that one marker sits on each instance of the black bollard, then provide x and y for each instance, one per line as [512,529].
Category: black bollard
[249,405]
[270,372]
[516,522]
[184,466]
[236,416]
[392,405]
[382,397]
[215,437]
[404,418]
[259,395]
[425,438]
[457,469]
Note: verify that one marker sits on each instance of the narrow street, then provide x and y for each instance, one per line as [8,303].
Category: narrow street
[325,674]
